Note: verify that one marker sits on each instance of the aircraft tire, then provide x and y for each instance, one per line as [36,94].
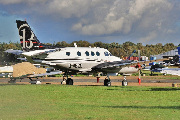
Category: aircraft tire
[107,82]
[124,83]
[69,81]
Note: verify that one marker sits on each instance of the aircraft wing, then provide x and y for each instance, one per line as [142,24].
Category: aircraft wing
[172,71]
[6,69]
[16,52]
[3,74]
[112,67]
[150,61]
[116,66]
[31,53]
[43,74]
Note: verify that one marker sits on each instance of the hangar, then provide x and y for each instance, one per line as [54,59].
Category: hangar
[173,55]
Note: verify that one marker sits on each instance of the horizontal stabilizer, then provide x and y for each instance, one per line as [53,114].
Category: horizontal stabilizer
[16,52]
[44,74]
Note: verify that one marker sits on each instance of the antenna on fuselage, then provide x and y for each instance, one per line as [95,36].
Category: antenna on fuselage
[75,45]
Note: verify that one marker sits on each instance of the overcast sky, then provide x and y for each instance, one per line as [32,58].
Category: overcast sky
[138,21]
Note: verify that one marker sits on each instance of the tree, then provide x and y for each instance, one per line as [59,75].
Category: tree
[58,44]
[64,44]
[98,44]
[120,50]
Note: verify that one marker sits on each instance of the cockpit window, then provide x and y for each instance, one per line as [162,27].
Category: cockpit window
[92,53]
[68,53]
[106,54]
[97,53]
[110,54]
[87,53]
[79,53]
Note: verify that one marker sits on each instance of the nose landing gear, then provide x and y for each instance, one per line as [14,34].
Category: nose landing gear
[124,82]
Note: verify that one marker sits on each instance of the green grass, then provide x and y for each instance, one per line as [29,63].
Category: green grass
[88,102]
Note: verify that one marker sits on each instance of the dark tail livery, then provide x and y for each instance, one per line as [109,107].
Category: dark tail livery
[27,38]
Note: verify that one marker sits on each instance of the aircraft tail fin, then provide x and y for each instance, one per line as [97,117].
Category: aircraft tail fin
[27,38]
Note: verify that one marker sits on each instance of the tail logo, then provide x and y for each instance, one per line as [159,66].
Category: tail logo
[26,34]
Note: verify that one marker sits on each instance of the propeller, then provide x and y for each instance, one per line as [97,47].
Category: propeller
[139,67]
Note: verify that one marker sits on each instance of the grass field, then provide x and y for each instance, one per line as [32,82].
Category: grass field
[88,102]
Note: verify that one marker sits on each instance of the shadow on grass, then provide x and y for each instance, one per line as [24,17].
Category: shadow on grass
[146,107]
[88,85]
[145,89]
[164,89]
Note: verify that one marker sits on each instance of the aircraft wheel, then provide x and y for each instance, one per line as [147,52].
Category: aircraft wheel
[124,83]
[107,82]
[69,81]
[164,74]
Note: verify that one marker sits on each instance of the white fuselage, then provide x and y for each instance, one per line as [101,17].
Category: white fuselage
[79,58]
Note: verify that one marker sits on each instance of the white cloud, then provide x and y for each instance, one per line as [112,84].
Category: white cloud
[10,1]
[69,8]
[77,26]
[21,1]
[121,15]
[134,18]
[172,31]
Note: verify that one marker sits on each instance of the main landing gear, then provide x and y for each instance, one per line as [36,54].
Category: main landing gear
[67,81]
[124,82]
[12,80]
[107,81]
[32,81]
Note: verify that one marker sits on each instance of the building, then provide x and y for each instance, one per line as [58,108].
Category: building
[174,55]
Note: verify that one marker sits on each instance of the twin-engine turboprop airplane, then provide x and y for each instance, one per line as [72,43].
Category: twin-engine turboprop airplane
[71,59]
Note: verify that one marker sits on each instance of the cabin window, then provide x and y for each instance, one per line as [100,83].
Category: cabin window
[79,53]
[92,53]
[106,54]
[97,53]
[87,53]
[68,53]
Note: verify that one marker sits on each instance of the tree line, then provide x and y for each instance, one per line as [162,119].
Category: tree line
[122,50]
[119,50]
